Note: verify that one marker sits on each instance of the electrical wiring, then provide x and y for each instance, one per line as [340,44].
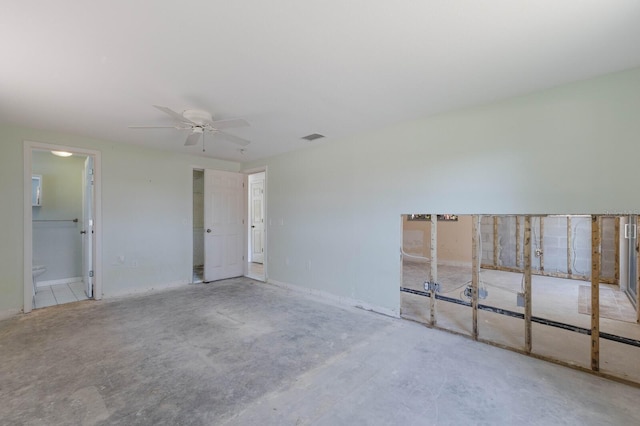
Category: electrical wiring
[404,253]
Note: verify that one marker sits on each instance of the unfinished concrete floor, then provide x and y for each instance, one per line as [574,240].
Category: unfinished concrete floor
[243,353]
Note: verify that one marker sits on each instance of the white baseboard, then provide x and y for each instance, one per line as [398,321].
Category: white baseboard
[334,298]
[60,281]
[137,291]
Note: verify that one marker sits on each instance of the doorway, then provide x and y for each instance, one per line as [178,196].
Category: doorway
[218,225]
[256,226]
[198,226]
[62,238]
[631,234]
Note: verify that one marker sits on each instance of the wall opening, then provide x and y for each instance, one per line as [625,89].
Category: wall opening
[555,286]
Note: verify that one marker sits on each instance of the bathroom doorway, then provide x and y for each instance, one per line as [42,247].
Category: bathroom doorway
[62,200]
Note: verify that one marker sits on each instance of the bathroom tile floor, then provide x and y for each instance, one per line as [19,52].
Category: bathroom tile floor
[58,294]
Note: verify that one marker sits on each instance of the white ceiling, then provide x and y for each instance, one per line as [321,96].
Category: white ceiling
[292,67]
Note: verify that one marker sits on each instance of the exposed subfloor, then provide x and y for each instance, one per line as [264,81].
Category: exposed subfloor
[243,353]
[554,299]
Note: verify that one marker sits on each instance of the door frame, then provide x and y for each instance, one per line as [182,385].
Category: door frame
[250,214]
[265,262]
[201,169]
[28,148]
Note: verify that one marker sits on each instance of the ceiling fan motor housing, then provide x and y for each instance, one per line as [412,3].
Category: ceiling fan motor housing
[197,116]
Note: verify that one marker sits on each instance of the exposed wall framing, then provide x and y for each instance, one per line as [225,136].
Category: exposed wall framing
[561,237]
[569,245]
[524,238]
[518,248]
[527,284]
[595,292]
[496,242]
[637,246]
[616,237]
[475,274]
[434,266]
[541,239]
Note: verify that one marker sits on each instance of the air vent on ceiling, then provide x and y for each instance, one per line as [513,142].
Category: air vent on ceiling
[313,137]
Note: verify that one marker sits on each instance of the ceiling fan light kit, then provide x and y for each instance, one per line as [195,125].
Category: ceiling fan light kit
[199,121]
[197,116]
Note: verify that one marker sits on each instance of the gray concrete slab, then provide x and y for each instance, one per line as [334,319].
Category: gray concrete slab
[239,352]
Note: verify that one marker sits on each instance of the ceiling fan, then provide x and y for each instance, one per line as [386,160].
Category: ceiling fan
[199,122]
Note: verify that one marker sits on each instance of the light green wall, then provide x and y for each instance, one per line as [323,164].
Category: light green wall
[146,212]
[334,209]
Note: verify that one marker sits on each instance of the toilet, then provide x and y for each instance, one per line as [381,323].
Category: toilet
[36,271]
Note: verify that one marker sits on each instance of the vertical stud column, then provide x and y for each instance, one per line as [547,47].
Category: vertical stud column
[541,243]
[616,262]
[475,272]
[569,245]
[434,267]
[495,241]
[527,283]
[595,293]
[518,248]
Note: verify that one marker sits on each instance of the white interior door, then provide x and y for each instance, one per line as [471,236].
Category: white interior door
[223,212]
[87,227]
[256,188]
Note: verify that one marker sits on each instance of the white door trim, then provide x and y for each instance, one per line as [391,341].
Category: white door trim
[28,148]
[191,261]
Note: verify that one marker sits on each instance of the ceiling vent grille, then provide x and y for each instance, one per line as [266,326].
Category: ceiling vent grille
[313,137]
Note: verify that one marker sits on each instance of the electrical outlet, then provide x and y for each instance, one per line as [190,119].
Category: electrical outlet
[432,286]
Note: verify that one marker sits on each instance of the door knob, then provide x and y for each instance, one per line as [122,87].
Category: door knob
[83,232]
[208,231]
[253,226]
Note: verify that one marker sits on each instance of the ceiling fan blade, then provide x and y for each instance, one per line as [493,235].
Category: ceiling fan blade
[152,127]
[192,139]
[228,124]
[232,138]
[175,115]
